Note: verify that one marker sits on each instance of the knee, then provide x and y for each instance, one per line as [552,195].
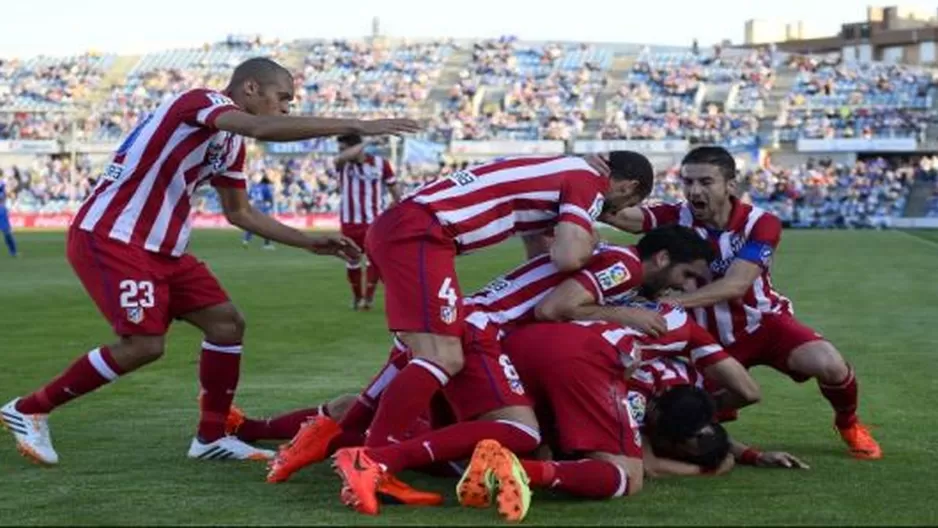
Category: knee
[635,483]
[821,361]
[444,351]
[228,327]
[136,351]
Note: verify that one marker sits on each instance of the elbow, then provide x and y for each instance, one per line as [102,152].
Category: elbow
[751,394]
[568,262]
[237,218]
[548,312]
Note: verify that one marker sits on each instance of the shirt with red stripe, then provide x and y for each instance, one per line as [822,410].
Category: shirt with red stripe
[362,187]
[143,197]
[483,205]
[683,338]
[612,275]
[752,235]
[656,376]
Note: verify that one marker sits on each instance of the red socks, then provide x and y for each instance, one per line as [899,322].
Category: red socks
[455,442]
[406,397]
[89,372]
[355,280]
[219,369]
[843,398]
[587,478]
[283,427]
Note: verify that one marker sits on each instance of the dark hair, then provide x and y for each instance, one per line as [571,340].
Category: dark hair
[261,69]
[682,412]
[713,444]
[350,139]
[630,165]
[712,155]
[683,244]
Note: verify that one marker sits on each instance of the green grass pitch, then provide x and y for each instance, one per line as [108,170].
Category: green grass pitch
[874,294]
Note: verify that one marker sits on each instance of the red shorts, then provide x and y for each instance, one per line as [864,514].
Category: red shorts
[772,344]
[137,291]
[417,262]
[488,380]
[580,400]
[356,232]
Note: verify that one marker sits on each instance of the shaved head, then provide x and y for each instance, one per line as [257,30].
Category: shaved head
[261,70]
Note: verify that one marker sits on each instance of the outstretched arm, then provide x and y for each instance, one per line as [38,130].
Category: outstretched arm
[295,128]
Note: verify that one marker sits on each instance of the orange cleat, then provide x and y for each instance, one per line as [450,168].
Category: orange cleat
[309,446]
[861,442]
[494,467]
[477,485]
[360,477]
[392,491]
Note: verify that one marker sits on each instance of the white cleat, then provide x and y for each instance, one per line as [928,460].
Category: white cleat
[31,432]
[227,448]
[269,247]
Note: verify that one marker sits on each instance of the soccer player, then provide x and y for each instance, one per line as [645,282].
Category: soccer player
[740,306]
[128,242]
[5,227]
[363,178]
[261,195]
[508,300]
[414,246]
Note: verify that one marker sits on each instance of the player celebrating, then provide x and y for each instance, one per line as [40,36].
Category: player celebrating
[5,227]
[261,195]
[362,181]
[753,321]
[414,246]
[128,244]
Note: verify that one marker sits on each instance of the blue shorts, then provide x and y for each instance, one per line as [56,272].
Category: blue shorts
[4,220]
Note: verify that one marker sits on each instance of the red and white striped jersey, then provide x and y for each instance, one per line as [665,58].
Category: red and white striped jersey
[483,205]
[655,377]
[362,186]
[613,275]
[752,234]
[143,197]
[684,338]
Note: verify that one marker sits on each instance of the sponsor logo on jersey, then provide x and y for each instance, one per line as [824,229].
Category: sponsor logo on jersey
[635,402]
[613,276]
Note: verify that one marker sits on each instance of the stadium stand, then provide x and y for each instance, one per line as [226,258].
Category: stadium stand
[494,90]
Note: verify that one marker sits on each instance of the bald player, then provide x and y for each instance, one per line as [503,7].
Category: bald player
[128,247]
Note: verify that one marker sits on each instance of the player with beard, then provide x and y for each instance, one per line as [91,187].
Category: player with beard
[740,306]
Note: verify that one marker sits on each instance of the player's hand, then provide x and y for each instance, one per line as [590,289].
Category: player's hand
[338,245]
[726,466]
[599,163]
[385,127]
[780,459]
[647,321]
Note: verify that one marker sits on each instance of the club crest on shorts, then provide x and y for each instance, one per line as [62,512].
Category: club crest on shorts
[448,314]
[135,314]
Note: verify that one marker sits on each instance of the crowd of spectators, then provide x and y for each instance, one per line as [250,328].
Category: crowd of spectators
[818,193]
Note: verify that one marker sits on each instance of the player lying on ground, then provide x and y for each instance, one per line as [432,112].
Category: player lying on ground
[128,245]
[660,375]
[510,300]
[363,179]
[416,243]
[754,322]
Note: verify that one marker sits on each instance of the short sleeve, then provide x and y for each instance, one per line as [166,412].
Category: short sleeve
[202,107]
[582,197]
[762,241]
[609,274]
[659,215]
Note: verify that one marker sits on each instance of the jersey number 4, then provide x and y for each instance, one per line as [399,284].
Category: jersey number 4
[447,292]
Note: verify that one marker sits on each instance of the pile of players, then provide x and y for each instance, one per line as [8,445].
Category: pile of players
[585,369]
